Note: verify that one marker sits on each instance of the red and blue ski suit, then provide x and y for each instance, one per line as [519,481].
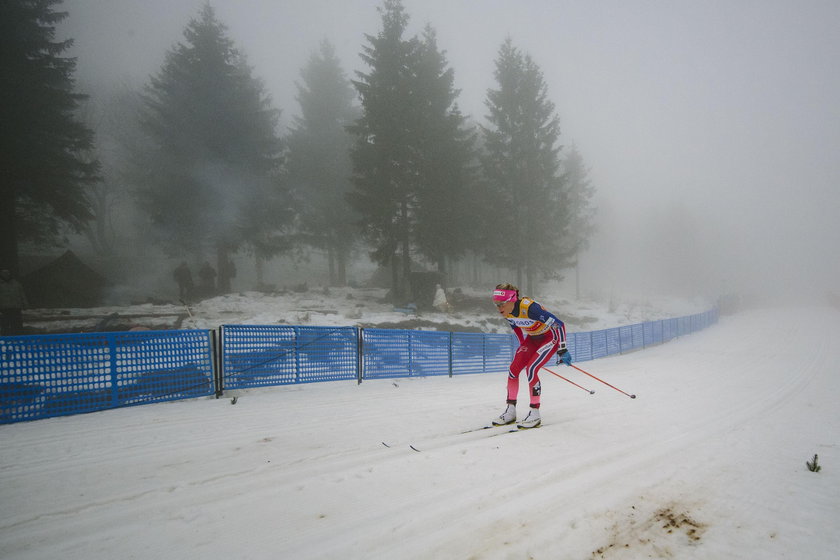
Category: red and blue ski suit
[540,335]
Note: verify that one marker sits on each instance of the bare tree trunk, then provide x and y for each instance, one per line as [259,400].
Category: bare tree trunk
[395,279]
[406,251]
[341,258]
[331,264]
[259,265]
[8,235]
[225,269]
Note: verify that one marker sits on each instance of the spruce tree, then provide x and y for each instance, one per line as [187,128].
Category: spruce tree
[525,191]
[319,158]
[578,207]
[45,162]
[210,176]
[411,174]
[444,226]
[383,154]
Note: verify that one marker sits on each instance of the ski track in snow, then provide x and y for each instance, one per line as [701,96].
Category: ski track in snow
[707,462]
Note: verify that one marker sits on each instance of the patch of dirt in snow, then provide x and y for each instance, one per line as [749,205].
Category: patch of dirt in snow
[660,534]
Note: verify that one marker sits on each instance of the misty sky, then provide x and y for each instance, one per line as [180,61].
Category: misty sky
[712,129]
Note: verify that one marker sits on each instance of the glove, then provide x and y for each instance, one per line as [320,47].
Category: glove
[564,357]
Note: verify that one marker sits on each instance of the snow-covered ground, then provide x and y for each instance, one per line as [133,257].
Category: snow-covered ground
[707,462]
[355,307]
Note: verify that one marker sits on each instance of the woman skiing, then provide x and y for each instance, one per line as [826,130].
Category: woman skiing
[540,335]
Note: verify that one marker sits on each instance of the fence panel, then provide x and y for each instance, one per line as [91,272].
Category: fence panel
[254,356]
[327,353]
[637,332]
[625,338]
[647,333]
[386,353]
[656,328]
[669,330]
[55,375]
[498,351]
[599,344]
[468,353]
[583,347]
[429,353]
[613,341]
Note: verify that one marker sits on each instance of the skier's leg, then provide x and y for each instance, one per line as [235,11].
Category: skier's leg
[512,388]
[521,359]
[539,358]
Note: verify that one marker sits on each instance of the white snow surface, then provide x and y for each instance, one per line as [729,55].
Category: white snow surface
[708,462]
[359,307]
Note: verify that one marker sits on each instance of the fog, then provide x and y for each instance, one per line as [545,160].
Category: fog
[712,129]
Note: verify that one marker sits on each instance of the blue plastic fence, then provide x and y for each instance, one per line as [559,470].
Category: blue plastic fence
[404,353]
[54,375]
[591,345]
[254,356]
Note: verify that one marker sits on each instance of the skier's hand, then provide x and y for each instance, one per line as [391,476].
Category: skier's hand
[564,357]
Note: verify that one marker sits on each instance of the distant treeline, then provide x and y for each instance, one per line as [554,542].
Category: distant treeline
[384,163]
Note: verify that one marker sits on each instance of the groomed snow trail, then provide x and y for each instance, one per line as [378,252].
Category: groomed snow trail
[707,462]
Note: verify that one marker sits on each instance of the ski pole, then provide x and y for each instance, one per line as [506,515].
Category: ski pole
[602,381]
[569,380]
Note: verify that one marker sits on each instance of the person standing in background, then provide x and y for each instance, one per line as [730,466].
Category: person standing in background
[440,302]
[184,278]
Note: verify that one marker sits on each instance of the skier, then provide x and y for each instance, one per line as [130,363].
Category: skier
[540,335]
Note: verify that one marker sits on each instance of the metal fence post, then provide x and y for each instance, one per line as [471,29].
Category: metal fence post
[360,354]
[450,353]
[216,360]
[409,345]
[297,354]
[484,354]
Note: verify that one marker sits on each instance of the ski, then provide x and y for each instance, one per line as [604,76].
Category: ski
[511,430]
[489,427]
[514,430]
[419,448]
